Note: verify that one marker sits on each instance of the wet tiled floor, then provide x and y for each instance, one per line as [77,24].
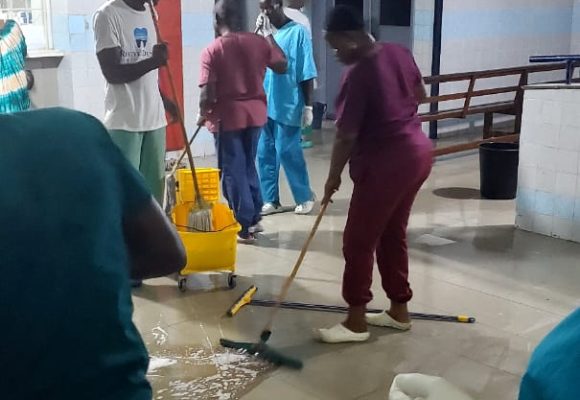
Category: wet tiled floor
[466,258]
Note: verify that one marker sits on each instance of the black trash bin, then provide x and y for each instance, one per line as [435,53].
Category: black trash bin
[319,111]
[498,165]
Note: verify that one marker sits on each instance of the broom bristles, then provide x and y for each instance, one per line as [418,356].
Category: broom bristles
[265,352]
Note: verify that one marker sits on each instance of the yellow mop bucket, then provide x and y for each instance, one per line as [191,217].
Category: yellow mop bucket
[209,251]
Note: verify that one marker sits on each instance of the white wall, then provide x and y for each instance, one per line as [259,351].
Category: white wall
[575,37]
[479,35]
[402,35]
[498,33]
[46,91]
[548,200]
[423,14]
[198,32]
[80,82]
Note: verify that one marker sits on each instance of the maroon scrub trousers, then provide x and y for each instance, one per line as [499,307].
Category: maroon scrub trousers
[377,223]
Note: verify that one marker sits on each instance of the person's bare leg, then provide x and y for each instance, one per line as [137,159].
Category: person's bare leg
[399,312]
[356,321]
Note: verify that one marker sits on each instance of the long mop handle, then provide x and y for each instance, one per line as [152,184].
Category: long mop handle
[199,198]
[288,283]
[342,310]
[184,153]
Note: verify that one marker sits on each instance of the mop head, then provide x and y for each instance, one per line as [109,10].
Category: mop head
[170,195]
[244,299]
[265,352]
[200,220]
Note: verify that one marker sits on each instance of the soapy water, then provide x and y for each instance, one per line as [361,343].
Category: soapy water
[200,374]
[178,372]
[160,335]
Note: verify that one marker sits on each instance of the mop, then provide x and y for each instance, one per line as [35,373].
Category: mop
[261,349]
[171,182]
[200,215]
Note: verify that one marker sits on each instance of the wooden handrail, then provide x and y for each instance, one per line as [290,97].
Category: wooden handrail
[481,109]
[458,148]
[475,93]
[514,106]
[522,73]
[494,73]
[469,96]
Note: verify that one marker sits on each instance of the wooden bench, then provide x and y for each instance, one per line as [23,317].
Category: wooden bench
[488,110]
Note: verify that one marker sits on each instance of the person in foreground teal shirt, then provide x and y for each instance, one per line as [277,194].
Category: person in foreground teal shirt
[554,370]
[76,222]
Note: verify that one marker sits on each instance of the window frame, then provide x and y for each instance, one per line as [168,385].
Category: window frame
[46,18]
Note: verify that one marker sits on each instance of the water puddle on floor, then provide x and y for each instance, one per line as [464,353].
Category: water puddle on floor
[197,373]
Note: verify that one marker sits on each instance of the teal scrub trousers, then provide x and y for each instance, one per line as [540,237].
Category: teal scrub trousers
[280,146]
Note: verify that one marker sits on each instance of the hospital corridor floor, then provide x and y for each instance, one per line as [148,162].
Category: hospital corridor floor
[466,258]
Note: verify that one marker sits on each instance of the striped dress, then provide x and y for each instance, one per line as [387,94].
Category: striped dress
[13,82]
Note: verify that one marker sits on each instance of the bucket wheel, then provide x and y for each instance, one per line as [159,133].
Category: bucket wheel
[232,283]
[182,283]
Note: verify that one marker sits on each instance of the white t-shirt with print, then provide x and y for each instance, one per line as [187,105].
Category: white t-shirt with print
[299,17]
[136,106]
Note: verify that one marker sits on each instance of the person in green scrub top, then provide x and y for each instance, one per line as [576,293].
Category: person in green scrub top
[77,222]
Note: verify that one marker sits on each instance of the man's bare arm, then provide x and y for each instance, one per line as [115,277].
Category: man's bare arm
[117,73]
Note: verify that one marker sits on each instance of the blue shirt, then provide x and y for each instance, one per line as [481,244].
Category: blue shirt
[65,299]
[285,96]
[554,370]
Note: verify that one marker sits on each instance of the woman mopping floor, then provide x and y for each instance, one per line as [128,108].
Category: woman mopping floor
[390,158]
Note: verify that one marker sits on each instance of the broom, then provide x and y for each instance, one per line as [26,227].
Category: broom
[261,349]
[200,215]
[171,182]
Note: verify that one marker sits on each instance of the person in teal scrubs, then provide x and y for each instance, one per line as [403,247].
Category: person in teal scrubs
[289,110]
[554,370]
[76,222]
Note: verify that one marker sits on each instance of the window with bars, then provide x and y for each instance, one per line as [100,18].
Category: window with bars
[34,19]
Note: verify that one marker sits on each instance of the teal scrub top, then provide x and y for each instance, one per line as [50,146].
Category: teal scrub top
[285,97]
[554,370]
[65,299]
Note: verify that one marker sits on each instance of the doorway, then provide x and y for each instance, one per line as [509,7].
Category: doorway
[394,19]
[387,20]
[334,69]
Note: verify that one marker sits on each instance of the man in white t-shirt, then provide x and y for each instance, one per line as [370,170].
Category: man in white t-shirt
[127,49]
[293,10]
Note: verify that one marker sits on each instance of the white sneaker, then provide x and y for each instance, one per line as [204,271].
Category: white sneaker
[258,228]
[340,334]
[250,239]
[271,208]
[386,321]
[304,208]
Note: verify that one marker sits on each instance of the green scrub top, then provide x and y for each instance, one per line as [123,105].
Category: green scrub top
[66,329]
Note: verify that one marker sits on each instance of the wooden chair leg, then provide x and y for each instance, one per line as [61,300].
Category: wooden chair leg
[488,125]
